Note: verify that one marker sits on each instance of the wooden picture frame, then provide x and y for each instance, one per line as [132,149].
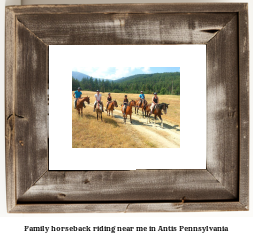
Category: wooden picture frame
[222,186]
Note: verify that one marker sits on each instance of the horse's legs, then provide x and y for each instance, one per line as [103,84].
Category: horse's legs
[112,113]
[161,120]
[81,112]
[130,118]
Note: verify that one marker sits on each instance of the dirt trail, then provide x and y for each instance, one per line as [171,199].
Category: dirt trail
[166,137]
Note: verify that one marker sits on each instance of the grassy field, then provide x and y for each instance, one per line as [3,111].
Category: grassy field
[173,115]
[87,132]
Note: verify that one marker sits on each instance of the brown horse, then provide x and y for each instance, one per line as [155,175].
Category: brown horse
[111,106]
[80,104]
[157,111]
[98,109]
[128,110]
[143,106]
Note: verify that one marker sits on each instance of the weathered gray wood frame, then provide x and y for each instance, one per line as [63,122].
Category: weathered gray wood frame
[223,186]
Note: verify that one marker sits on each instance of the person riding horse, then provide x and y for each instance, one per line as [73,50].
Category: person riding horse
[98,98]
[109,99]
[125,103]
[155,101]
[142,99]
[77,94]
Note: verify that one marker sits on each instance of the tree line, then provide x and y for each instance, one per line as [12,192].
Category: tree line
[162,83]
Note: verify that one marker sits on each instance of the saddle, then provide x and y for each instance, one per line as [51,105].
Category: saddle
[99,105]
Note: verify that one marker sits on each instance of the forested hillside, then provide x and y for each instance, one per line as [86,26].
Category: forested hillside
[162,83]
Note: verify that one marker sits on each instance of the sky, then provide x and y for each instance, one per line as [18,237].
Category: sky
[120,72]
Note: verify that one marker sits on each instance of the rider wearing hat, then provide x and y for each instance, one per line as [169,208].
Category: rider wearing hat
[125,102]
[77,94]
[109,99]
[142,98]
[155,101]
[98,98]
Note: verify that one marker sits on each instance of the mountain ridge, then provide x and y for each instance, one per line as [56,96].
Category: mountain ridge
[79,76]
[162,83]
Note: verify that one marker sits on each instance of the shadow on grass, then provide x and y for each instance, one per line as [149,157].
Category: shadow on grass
[158,123]
[110,121]
[104,118]
[90,116]
[165,125]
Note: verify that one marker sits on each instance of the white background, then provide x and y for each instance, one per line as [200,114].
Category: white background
[192,152]
[240,223]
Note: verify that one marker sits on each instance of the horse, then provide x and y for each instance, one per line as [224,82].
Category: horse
[143,106]
[128,110]
[111,106]
[157,111]
[98,109]
[80,104]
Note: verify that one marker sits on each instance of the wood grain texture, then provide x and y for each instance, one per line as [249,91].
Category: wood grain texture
[223,186]
[186,207]
[30,108]
[139,185]
[222,107]
[9,108]
[154,8]
[244,106]
[131,29]
[129,207]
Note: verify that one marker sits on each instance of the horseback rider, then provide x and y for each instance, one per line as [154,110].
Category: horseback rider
[98,98]
[155,101]
[109,99]
[77,94]
[125,103]
[142,98]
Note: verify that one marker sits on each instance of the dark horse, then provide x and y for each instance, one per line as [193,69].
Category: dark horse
[157,111]
[80,104]
[111,106]
[143,105]
[128,110]
[98,109]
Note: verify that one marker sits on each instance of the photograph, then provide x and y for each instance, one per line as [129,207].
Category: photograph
[126,107]
[136,108]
